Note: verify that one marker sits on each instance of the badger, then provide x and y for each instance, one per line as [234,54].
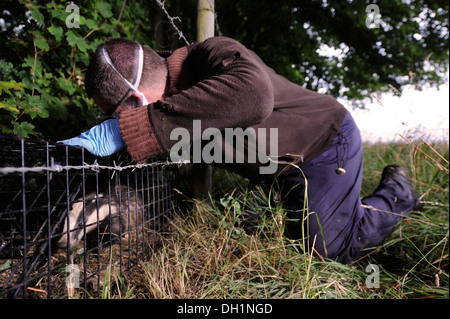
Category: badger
[112,217]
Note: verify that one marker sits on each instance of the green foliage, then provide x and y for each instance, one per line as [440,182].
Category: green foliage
[17,104]
[43,62]
[410,46]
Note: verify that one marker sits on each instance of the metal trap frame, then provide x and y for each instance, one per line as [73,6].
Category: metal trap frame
[39,185]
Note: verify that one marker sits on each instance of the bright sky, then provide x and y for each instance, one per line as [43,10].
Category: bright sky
[422,114]
[415,114]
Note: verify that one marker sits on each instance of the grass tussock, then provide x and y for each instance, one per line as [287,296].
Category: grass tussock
[210,255]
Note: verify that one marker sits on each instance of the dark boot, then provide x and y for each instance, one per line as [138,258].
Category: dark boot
[396,179]
[393,199]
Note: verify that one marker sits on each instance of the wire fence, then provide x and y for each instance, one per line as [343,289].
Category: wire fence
[67,218]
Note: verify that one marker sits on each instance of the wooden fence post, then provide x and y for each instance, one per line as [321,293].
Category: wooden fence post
[202,173]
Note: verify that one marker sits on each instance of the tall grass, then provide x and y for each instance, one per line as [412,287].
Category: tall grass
[210,255]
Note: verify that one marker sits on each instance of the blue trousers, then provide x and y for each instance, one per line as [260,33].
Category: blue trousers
[334,219]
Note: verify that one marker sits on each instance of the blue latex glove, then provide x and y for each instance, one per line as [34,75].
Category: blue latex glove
[101,140]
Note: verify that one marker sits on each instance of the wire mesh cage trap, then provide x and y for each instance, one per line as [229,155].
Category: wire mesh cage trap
[66,216]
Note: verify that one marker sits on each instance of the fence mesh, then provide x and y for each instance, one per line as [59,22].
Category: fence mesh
[67,218]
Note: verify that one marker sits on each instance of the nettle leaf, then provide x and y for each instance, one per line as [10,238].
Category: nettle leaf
[65,86]
[6,68]
[91,24]
[58,12]
[34,65]
[53,8]
[40,41]
[75,39]
[6,130]
[28,62]
[11,85]
[42,82]
[104,8]
[35,106]
[23,129]
[225,202]
[36,14]
[11,108]
[29,83]
[56,31]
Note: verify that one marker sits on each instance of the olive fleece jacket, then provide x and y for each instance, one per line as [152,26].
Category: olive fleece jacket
[225,85]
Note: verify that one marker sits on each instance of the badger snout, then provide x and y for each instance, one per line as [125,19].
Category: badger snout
[73,239]
[62,242]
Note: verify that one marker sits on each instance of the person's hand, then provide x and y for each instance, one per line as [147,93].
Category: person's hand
[101,140]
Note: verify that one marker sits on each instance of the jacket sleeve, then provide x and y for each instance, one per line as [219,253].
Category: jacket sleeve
[233,90]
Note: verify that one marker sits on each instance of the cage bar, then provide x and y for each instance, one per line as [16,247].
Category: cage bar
[125,209]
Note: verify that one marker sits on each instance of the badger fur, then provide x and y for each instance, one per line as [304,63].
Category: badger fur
[113,216]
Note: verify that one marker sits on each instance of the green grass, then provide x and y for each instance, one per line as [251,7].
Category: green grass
[209,254]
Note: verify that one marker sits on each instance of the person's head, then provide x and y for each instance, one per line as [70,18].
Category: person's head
[122,74]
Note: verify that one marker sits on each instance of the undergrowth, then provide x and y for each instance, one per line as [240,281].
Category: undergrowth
[210,255]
